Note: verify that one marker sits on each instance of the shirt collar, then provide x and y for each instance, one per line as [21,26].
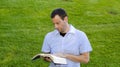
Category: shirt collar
[72,30]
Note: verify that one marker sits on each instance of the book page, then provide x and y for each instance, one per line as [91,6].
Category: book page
[59,60]
[55,59]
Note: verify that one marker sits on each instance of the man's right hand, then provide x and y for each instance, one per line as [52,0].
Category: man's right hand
[47,59]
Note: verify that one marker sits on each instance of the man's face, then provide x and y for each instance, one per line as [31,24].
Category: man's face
[59,24]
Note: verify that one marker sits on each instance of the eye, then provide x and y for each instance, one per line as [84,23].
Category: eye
[57,23]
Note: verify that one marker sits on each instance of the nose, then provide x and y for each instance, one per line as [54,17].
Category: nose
[56,26]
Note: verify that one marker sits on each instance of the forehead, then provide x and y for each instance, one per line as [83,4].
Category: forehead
[56,18]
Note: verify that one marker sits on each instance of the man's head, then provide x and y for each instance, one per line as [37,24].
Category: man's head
[59,11]
[60,20]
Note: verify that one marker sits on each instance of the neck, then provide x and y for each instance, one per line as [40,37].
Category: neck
[66,29]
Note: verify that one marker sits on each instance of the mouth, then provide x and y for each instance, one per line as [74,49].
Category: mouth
[58,30]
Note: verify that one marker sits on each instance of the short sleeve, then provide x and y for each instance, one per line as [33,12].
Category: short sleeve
[45,47]
[85,45]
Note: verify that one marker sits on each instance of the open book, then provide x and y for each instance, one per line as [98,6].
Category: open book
[54,58]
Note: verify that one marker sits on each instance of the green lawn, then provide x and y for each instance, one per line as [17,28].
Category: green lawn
[24,23]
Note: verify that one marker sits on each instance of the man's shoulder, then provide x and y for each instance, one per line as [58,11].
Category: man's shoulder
[49,34]
[52,32]
[76,30]
[79,32]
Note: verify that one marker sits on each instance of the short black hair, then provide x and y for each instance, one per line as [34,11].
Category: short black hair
[59,11]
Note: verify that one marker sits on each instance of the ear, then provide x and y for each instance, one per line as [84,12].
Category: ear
[66,19]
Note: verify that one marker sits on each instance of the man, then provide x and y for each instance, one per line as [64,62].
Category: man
[66,41]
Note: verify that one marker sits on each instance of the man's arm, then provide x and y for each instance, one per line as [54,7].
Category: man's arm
[84,57]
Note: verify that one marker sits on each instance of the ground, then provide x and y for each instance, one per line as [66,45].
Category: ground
[24,23]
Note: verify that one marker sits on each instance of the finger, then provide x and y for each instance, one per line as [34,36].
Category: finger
[47,59]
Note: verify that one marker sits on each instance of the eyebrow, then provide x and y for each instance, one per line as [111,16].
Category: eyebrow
[58,22]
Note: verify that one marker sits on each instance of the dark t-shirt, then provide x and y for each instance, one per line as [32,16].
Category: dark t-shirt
[62,34]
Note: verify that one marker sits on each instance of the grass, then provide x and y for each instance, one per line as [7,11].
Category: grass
[24,23]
